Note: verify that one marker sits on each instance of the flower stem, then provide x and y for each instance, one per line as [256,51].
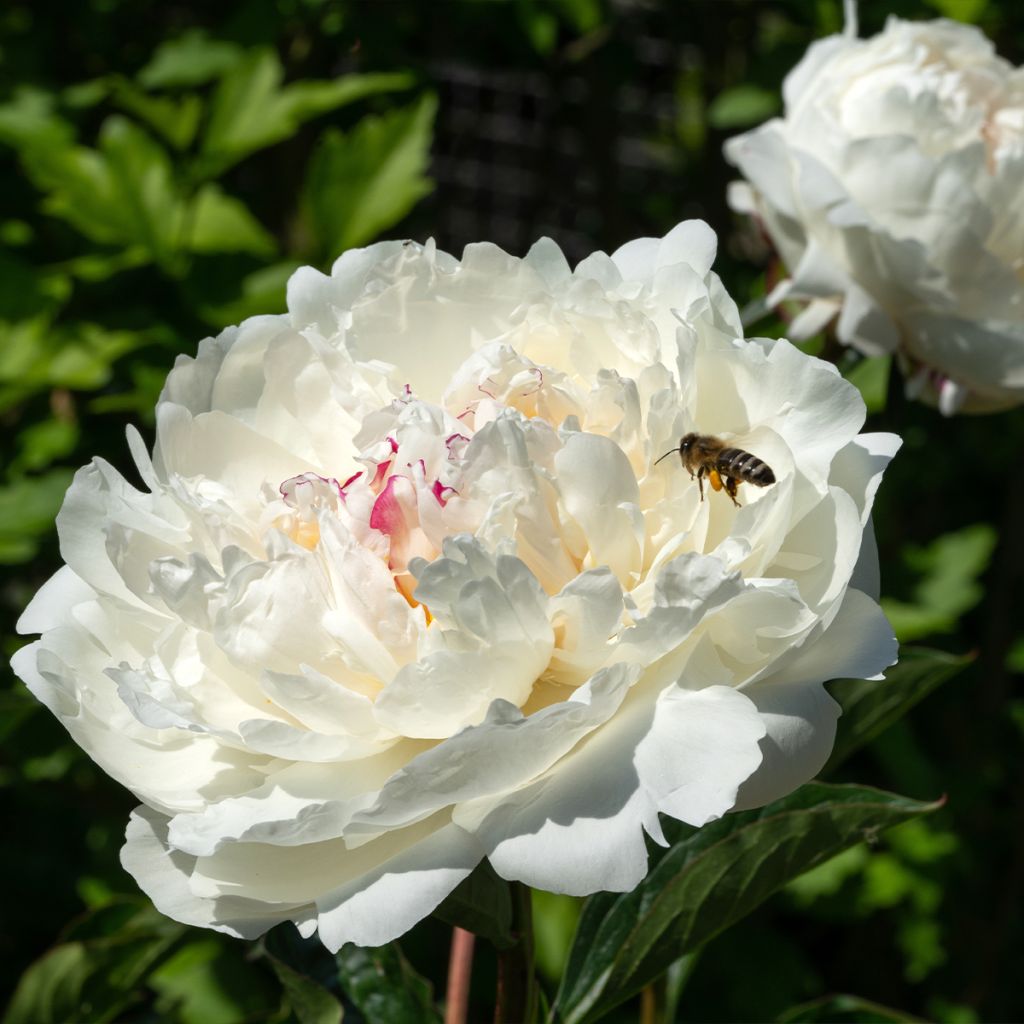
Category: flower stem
[517,986]
[460,973]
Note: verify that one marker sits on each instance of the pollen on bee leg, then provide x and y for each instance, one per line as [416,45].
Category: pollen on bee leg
[715,480]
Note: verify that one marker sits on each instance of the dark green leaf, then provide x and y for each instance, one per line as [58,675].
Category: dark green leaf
[840,1008]
[262,291]
[98,973]
[311,1003]
[709,879]
[364,182]
[871,706]
[383,987]
[481,904]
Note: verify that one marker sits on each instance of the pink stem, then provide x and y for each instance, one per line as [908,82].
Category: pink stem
[460,972]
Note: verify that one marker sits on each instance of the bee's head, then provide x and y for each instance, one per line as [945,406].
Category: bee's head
[687,442]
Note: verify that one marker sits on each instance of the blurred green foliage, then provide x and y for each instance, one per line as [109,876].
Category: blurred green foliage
[164,169]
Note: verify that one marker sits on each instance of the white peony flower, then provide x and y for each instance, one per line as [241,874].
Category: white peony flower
[893,189]
[405,589]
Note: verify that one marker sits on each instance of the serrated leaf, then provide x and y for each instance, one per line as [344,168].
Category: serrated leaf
[190,60]
[250,108]
[363,182]
[482,904]
[870,706]
[383,987]
[221,223]
[709,879]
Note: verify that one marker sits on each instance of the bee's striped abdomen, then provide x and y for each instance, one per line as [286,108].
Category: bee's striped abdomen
[741,465]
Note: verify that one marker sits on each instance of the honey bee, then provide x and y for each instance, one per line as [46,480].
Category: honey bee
[704,455]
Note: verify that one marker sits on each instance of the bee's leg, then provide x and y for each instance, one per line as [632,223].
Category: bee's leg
[731,484]
[715,479]
[700,481]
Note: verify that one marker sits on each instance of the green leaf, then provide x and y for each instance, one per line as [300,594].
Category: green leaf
[709,879]
[840,1008]
[948,586]
[28,509]
[871,378]
[123,193]
[742,106]
[262,291]
[383,987]
[28,121]
[250,109]
[209,980]
[176,120]
[43,443]
[311,1003]
[190,60]
[482,904]
[98,973]
[365,181]
[555,918]
[221,223]
[970,11]
[870,706]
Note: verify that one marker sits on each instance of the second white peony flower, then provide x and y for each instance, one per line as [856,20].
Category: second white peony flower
[893,189]
[406,589]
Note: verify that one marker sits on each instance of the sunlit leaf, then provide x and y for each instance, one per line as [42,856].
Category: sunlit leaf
[709,879]
[221,223]
[28,121]
[28,508]
[742,106]
[191,59]
[365,181]
[250,108]
[871,378]
[175,119]
[122,193]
